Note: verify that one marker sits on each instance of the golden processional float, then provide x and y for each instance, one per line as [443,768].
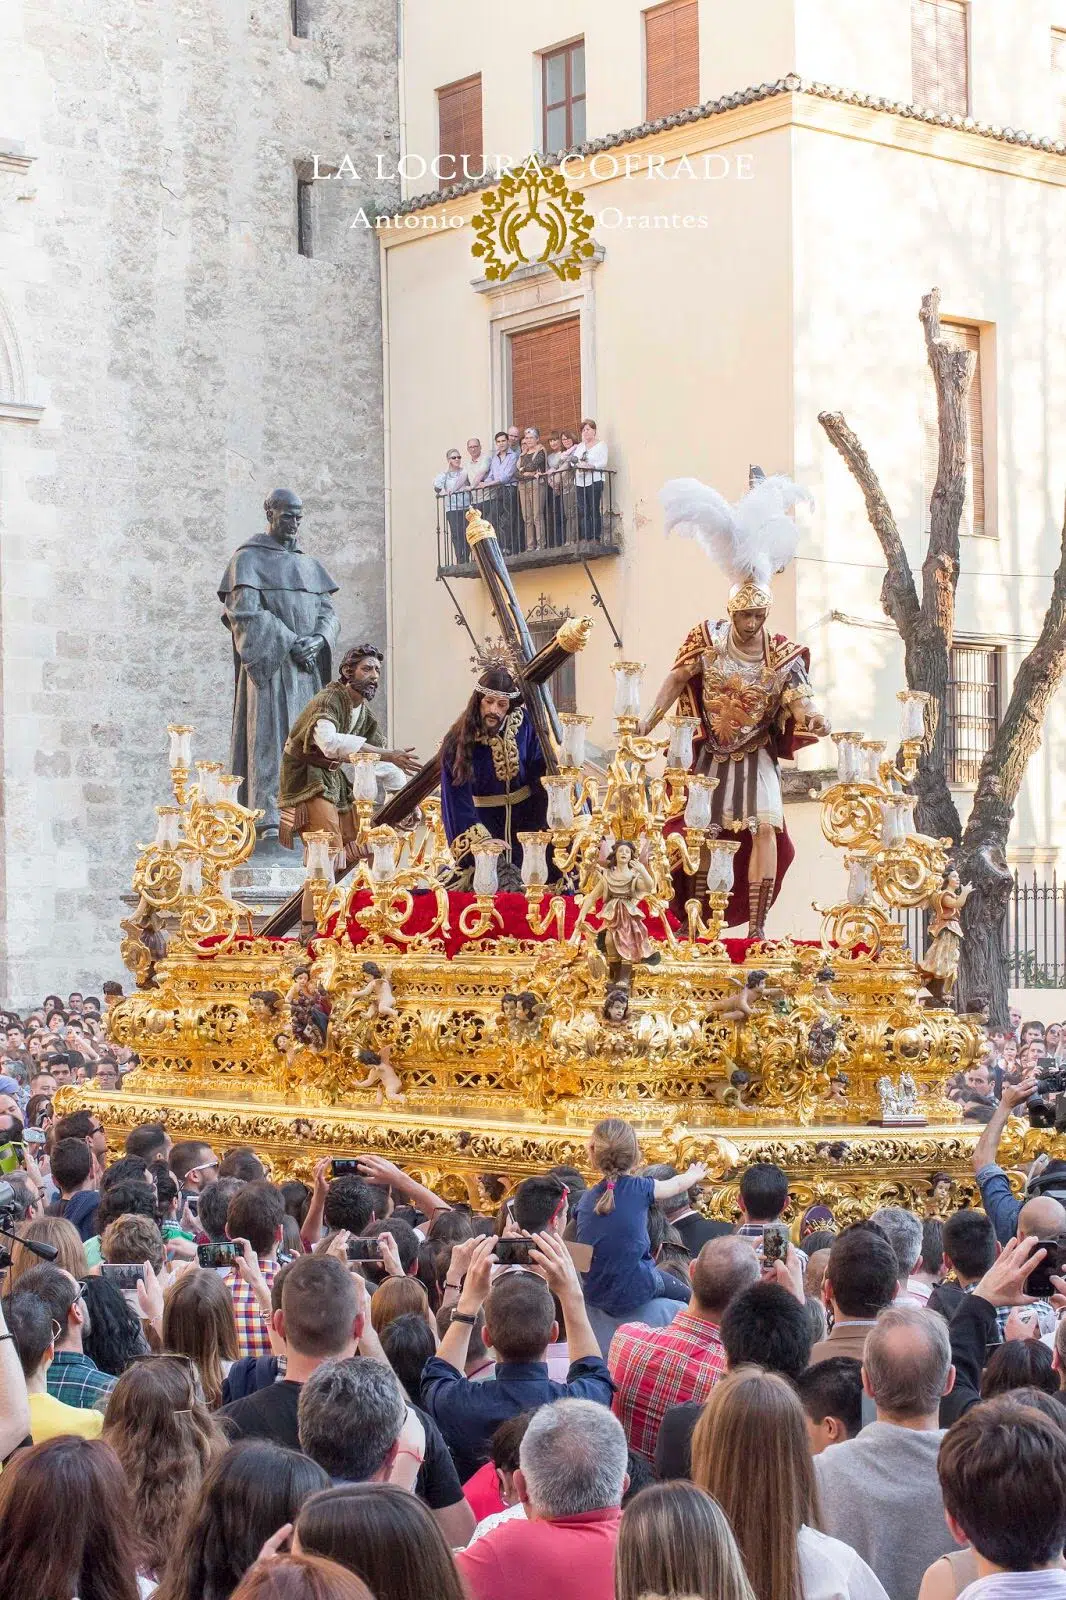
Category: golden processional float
[461,1034]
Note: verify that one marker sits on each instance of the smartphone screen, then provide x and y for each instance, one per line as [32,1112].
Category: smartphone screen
[360,1249]
[346,1167]
[221,1254]
[124,1274]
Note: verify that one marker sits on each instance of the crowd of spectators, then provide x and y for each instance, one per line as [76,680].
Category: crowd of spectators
[537,495]
[217,1385]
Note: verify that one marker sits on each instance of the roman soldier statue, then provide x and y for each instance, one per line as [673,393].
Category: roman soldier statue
[748,686]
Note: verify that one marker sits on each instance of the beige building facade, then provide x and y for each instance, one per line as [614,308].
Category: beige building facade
[761,257]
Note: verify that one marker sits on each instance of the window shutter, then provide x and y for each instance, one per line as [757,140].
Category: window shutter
[1058,77]
[940,56]
[967,337]
[459,116]
[546,377]
[672,58]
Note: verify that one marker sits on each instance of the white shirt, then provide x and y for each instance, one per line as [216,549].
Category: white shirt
[476,470]
[831,1570]
[333,743]
[1018,1586]
[589,455]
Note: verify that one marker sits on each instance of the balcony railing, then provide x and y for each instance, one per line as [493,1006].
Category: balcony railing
[1034,950]
[543,522]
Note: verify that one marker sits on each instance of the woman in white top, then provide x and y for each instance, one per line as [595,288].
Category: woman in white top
[751,1452]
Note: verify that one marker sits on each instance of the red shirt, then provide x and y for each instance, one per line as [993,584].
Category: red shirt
[656,1368]
[482,1492]
[567,1558]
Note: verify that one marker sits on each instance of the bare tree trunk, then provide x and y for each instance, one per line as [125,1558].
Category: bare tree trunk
[982,855]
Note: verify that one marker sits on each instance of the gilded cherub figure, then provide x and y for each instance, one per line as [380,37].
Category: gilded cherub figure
[378,990]
[741,1006]
[616,889]
[382,1073]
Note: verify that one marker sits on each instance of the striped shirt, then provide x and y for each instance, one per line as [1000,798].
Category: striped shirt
[656,1368]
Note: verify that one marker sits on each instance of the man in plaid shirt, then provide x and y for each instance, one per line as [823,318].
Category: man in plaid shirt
[72,1376]
[655,1368]
[256,1213]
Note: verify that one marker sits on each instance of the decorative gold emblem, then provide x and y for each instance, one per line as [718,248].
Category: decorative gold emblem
[531,216]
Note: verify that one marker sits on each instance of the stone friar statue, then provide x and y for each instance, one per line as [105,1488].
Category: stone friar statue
[747,686]
[277,606]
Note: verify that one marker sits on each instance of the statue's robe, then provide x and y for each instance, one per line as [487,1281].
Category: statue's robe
[747,726]
[271,597]
[505,795]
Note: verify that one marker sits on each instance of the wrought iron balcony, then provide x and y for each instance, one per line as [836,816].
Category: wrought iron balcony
[544,522]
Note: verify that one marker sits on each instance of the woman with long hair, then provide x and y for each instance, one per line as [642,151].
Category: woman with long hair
[166,1439]
[301,1578]
[247,1495]
[675,1540]
[198,1322]
[115,1339]
[55,1231]
[386,1537]
[756,1416]
[68,1524]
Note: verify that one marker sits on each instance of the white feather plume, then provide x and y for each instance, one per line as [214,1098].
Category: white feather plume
[752,539]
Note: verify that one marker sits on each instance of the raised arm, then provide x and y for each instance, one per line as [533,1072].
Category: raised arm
[378,1170]
[667,1188]
[672,686]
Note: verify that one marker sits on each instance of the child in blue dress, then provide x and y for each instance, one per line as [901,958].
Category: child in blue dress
[613,1218]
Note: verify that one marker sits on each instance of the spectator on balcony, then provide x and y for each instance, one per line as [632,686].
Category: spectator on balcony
[448,485]
[500,507]
[532,491]
[589,458]
[562,517]
[477,465]
[514,440]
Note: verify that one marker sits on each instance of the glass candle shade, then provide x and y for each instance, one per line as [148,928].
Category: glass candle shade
[319,864]
[894,812]
[720,867]
[365,775]
[180,744]
[627,679]
[859,881]
[682,732]
[384,844]
[534,858]
[912,703]
[207,782]
[560,802]
[849,757]
[873,753]
[229,784]
[168,827]
[487,853]
[575,731]
[225,883]
[192,875]
[698,805]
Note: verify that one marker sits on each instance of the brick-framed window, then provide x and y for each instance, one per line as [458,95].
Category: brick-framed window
[459,124]
[671,58]
[563,97]
[940,55]
[975,684]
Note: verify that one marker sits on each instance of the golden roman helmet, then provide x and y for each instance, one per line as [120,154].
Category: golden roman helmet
[751,595]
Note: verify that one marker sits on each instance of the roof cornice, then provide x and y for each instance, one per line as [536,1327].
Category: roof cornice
[791,85]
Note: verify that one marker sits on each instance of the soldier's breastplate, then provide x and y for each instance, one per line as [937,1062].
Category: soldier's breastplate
[740,701]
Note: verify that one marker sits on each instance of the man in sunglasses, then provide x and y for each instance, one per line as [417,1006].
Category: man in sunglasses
[72,1377]
[195,1165]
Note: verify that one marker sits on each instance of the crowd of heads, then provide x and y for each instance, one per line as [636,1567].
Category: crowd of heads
[222,1384]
